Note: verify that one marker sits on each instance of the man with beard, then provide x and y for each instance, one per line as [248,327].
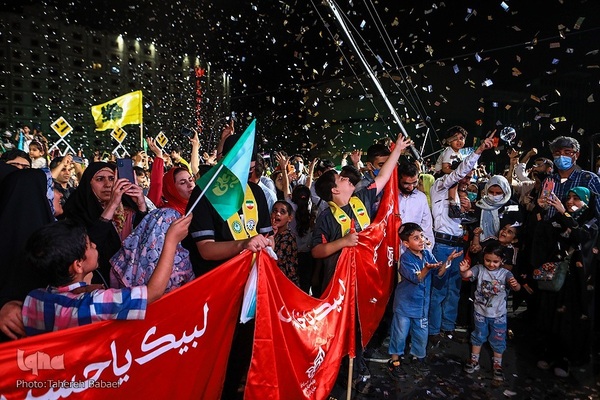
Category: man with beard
[412,203]
[527,188]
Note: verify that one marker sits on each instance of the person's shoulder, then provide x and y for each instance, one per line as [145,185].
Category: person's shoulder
[589,176]
[256,189]
[420,196]
[324,217]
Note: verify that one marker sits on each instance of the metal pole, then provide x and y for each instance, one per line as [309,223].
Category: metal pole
[349,391]
[205,189]
[374,78]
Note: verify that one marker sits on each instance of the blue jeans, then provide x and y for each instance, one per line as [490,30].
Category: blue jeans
[490,329]
[445,291]
[401,327]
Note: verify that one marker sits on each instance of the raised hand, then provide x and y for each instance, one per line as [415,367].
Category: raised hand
[154,147]
[403,142]
[179,228]
[464,266]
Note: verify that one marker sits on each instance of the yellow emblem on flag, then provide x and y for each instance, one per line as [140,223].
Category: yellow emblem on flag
[161,139]
[124,110]
[61,127]
[119,134]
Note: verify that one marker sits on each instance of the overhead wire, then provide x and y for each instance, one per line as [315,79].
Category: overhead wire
[400,67]
[358,79]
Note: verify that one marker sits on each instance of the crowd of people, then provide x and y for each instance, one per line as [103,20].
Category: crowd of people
[77,236]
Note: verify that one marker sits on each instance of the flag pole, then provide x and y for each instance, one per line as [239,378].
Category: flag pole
[349,390]
[142,120]
[204,190]
[369,70]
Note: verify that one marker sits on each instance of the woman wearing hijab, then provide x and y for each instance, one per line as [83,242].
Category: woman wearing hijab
[425,183]
[495,205]
[136,260]
[25,206]
[109,208]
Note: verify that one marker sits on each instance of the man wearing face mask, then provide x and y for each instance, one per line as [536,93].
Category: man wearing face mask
[298,177]
[567,175]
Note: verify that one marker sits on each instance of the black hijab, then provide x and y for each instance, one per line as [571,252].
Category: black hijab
[24,207]
[83,205]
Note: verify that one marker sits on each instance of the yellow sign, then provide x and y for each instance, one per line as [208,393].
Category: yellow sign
[61,127]
[161,140]
[119,134]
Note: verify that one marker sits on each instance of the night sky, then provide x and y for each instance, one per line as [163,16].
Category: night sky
[536,59]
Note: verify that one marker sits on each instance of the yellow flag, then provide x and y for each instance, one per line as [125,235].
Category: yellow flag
[124,110]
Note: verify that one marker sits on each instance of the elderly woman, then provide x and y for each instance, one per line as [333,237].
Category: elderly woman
[109,208]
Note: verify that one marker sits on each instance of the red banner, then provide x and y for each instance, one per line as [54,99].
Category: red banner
[377,249]
[179,351]
[299,341]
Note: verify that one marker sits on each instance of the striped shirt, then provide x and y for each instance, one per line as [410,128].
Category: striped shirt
[578,177]
[57,308]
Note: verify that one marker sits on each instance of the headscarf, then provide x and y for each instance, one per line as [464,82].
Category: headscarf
[582,192]
[490,222]
[428,181]
[173,199]
[24,207]
[83,205]
[584,195]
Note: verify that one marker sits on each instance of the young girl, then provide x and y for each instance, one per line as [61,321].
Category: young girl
[285,242]
[490,306]
[411,299]
[37,153]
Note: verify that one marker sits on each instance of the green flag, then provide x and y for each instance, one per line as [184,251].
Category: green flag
[225,183]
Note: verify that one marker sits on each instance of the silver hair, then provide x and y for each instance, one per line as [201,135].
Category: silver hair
[562,142]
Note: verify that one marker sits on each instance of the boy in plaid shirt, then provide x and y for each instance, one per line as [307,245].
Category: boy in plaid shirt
[63,254]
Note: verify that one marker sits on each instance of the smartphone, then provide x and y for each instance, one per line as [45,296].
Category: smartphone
[547,188]
[187,132]
[125,169]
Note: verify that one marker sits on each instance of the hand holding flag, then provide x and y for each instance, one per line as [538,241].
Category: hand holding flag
[225,183]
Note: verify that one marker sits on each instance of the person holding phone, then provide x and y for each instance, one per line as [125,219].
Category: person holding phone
[109,207]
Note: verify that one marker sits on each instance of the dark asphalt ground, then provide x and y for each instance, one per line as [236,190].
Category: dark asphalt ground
[523,380]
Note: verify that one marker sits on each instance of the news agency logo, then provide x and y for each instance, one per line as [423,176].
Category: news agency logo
[39,361]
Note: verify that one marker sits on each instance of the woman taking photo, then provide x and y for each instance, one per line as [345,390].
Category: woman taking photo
[109,208]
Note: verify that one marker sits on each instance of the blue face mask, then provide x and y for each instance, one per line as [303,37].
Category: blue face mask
[376,172]
[563,163]
[472,196]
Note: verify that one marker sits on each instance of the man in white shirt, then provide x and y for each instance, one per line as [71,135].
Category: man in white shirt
[448,233]
[412,203]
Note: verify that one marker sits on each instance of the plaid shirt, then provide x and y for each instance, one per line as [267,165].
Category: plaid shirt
[578,177]
[53,309]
